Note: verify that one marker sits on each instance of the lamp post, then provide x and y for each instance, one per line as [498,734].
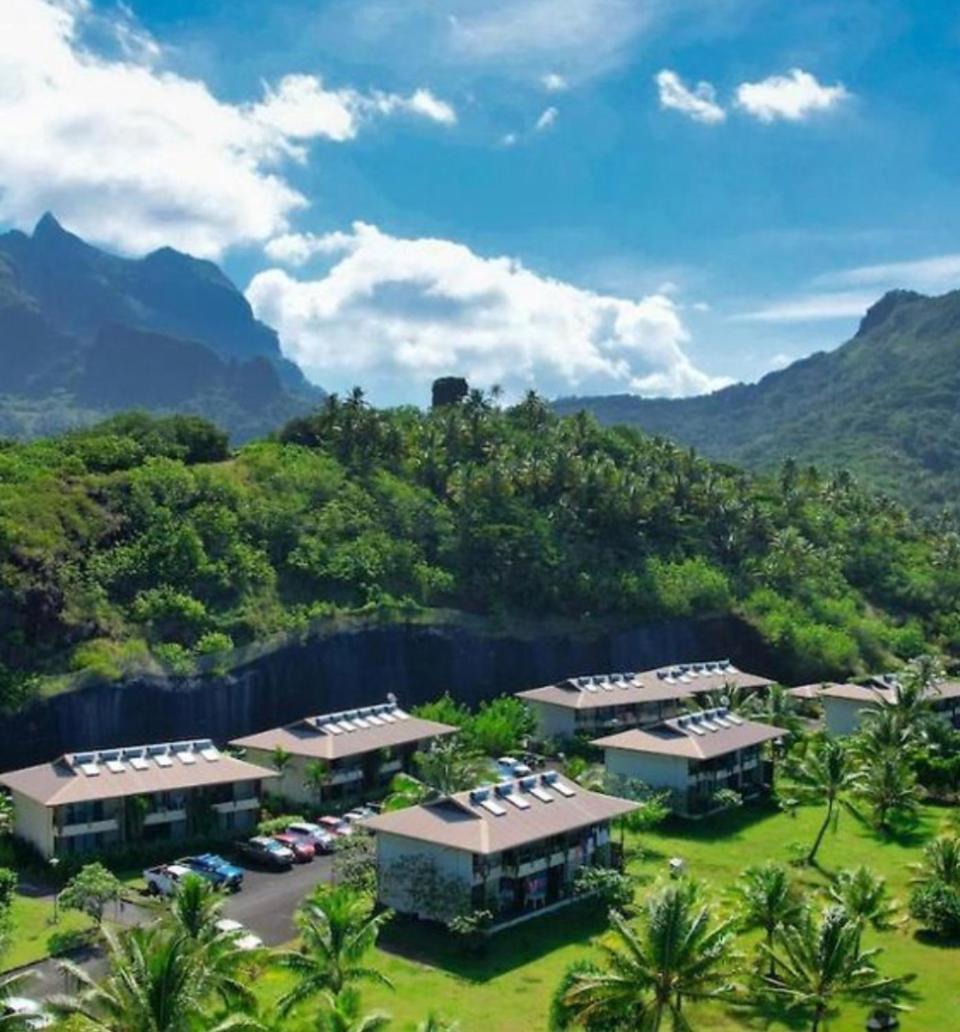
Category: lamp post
[54,863]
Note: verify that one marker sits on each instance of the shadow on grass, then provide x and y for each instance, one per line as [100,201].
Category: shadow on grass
[505,951]
[729,825]
[938,942]
[767,1012]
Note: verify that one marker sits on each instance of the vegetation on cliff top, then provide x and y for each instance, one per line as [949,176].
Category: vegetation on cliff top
[146,540]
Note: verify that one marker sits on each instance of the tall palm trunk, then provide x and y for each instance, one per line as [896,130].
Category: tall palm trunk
[823,830]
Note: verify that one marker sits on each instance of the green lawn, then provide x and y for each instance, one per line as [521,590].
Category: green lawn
[510,988]
[32,927]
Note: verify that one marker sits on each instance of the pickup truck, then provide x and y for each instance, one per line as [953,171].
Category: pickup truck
[215,869]
[162,880]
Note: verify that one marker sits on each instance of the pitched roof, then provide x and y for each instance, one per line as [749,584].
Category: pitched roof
[883,691]
[334,736]
[679,681]
[697,736]
[554,805]
[114,773]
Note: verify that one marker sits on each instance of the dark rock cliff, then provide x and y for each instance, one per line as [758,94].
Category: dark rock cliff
[354,667]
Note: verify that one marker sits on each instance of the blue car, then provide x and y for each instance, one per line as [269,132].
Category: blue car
[222,873]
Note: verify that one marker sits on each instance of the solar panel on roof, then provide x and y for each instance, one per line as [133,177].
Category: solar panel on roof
[491,806]
[518,801]
[388,717]
[345,725]
[163,760]
[401,714]
[115,767]
[211,754]
[139,763]
[374,721]
[541,793]
[90,769]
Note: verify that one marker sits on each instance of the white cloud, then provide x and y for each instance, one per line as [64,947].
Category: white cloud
[508,140]
[547,118]
[700,103]
[811,308]
[941,272]
[793,97]
[393,313]
[554,83]
[135,156]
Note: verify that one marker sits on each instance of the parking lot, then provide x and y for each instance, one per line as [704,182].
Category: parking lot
[268,899]
[266,905]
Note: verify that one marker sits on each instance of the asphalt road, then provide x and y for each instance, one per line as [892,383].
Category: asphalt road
[266,905]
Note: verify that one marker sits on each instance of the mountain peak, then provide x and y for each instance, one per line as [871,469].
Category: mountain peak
[881,310]
[48,226]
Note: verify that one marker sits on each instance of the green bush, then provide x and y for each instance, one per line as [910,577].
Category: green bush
[936,906]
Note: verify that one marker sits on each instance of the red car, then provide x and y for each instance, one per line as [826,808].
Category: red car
[303,852]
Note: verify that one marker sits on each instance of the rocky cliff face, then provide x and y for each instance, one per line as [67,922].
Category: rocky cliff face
[352,668]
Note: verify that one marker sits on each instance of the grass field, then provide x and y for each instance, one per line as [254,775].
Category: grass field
[509,988]
[32,927]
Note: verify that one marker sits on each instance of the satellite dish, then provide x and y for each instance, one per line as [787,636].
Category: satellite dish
[391,698]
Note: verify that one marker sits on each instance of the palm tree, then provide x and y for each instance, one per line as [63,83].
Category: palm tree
[10,986]
[447,767]
[157,982]
[195,908]
[341,1013]
[768,900]
[774,706]
[827,775]
[821,963]
[337,929]
[865,897]
[315,776]
[889,787]
[280,759]
[678,954]
[940,863]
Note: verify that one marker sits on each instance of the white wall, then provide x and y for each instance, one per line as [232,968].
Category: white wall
[659,772]
[842,716]
[450,863]
[34,823]
[553,721]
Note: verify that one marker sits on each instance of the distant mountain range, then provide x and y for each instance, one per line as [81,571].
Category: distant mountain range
[885,406]
[84,333]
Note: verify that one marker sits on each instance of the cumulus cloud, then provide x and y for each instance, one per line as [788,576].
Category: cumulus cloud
[699,103]
[791,97]
[135,156]
[393,313]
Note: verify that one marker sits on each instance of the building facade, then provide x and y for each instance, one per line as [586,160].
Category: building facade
[511,848]
[101,800]
[844,705]
[359,751]
[694,757]
[597,704]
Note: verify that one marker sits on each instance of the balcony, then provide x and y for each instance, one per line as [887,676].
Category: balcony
[391,766]
[88,827]
[238,805]
[342,777]
[164,817]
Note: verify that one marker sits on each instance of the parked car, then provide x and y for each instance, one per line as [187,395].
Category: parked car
[267,852]
[355,818]
[212,866]
[508,767]
[19,1012]
[245,939]
[335,826]
[303,850]
[304,831]
[162,880]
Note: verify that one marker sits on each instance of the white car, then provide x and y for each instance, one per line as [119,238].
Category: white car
[304,831]
[30,1013]
[245,940]
[163,879]
[508,767]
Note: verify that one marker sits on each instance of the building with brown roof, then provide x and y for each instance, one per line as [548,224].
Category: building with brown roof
[845,704]
[98,800]
[361,749]
[695,756]
[512,847]
[610,702]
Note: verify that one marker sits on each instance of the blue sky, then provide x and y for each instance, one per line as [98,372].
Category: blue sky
[545,196]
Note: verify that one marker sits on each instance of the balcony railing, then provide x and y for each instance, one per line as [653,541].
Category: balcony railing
[237,805]
[88,827]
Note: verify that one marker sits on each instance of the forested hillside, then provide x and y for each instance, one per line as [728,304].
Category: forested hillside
[885,405]
[145,541]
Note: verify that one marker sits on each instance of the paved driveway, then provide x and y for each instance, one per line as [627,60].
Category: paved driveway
[266,905]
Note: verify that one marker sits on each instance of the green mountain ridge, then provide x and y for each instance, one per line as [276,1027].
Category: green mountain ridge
[84,333]
[884,406]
